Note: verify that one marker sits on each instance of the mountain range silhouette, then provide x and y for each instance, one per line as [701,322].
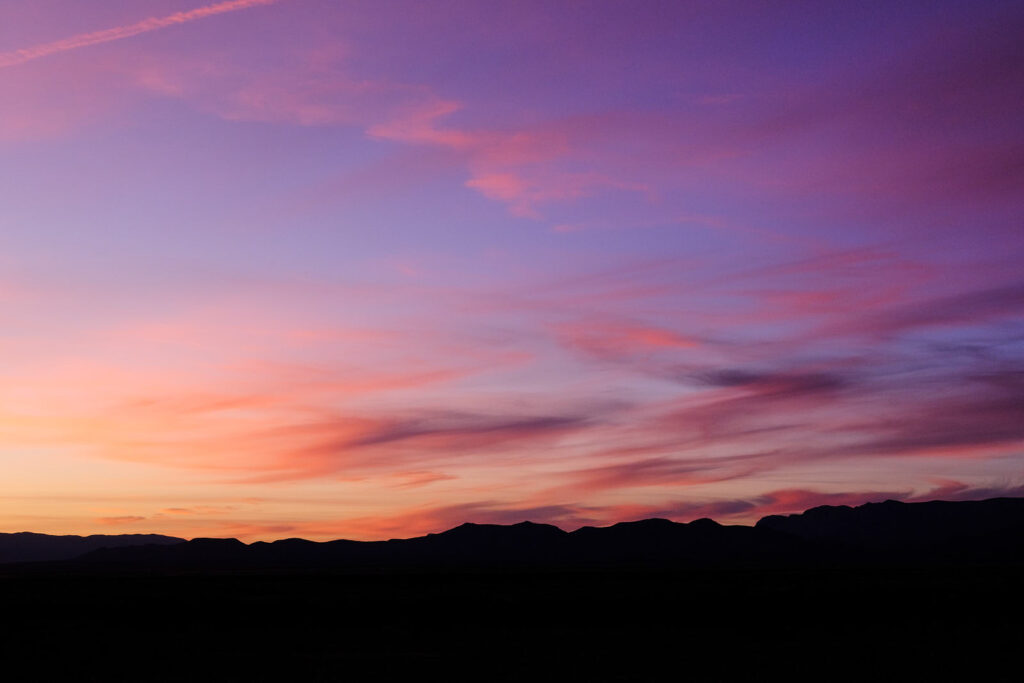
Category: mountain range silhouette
[883,591]
[29,547]
[875,532]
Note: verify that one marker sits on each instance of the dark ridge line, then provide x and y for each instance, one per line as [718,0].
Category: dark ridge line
[891,531]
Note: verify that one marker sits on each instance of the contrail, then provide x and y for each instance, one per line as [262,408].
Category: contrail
[118,32]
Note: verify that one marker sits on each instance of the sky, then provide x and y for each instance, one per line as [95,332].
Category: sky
[344,269]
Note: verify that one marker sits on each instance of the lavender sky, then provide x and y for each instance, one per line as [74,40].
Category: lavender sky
[373,269]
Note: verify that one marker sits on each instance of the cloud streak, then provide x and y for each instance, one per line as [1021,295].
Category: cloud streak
[108,35]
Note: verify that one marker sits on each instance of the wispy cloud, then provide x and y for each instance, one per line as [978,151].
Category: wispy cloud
[120,32]
[122,519]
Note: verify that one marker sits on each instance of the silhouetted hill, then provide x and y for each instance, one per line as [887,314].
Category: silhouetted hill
[29,547]
[985,529]
[660,541]
[646,543]
[863,587]
[890,531]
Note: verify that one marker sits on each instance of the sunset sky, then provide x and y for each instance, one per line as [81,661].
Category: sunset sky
[329,268]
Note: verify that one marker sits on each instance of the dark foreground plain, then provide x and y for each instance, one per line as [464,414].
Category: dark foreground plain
[911,623]
[890,591]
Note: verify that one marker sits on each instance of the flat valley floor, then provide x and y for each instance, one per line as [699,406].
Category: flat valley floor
[907,623]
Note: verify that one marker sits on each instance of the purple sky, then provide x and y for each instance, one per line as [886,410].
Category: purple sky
[371,269]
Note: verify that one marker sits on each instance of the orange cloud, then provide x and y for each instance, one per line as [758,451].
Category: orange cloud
[123,519]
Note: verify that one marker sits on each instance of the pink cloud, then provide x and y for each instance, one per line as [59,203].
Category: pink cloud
[661,471]
[35,110]
[416,124]
[611,338]
[515,166]
[81,40]
[352,447]
[416,479]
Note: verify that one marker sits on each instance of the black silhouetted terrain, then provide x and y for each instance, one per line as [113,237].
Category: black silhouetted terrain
[29,547]
[891,591]
[933,531]
[476,546]
[986,529]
